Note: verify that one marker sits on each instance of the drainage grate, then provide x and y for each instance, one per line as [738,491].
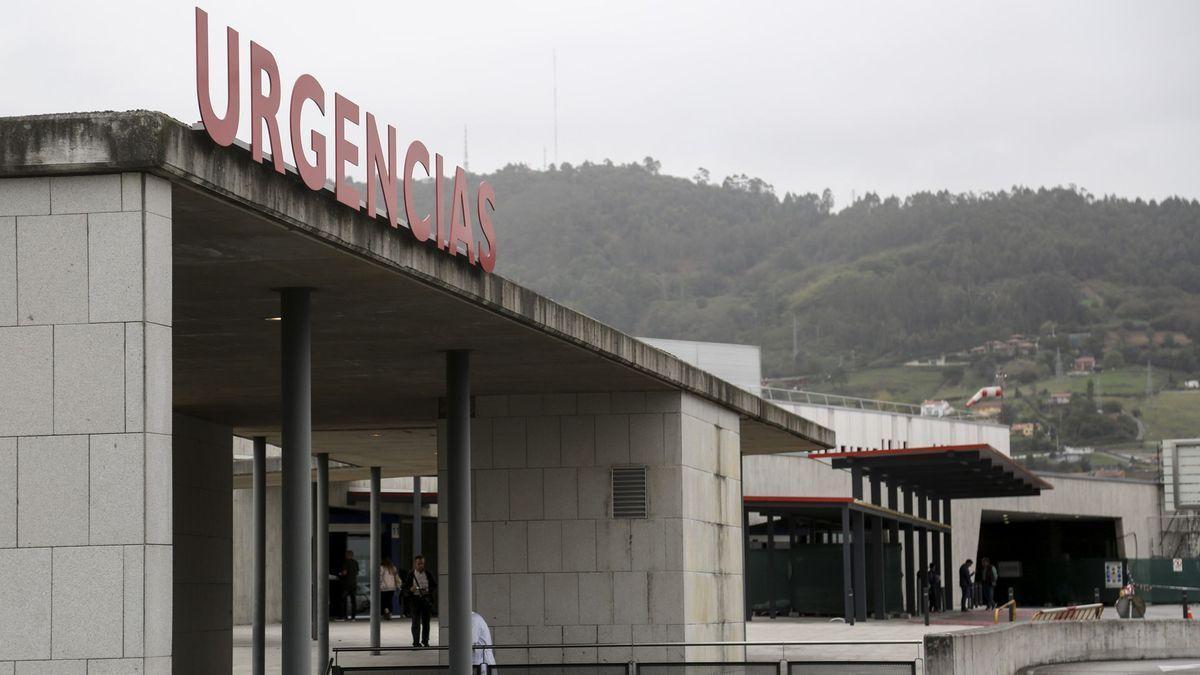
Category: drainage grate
[629,498]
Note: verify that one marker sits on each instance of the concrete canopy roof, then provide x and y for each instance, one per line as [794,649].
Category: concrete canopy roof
[384,308]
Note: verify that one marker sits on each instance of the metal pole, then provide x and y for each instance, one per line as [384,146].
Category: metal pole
[935,508]
[879,570]
[770,565]
[296,512]
[416,519]
[747,610]
[847,584]
[458,463]
[910,574]
[259,498]
[860,566]
[322,538]
[923,552]
[948,558]
[376,544]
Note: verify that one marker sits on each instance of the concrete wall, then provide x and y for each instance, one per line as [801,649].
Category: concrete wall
[85,424]
[552,566]
[203,589]
[1134,504]
[872,428]
[243,557]
[1007,648]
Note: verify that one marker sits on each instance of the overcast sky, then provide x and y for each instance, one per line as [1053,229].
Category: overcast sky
[889,96]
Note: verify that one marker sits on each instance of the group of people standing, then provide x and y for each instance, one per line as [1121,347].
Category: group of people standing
[417,589]
[978,588]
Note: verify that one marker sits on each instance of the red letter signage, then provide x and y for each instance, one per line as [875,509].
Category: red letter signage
[451,231]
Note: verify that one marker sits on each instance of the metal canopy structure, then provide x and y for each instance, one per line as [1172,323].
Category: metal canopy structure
[944,472]
[829,510]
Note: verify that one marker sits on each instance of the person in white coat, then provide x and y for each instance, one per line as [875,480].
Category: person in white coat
[481,636]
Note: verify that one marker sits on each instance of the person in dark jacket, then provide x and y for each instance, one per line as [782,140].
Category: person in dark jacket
[986,575]
[420,587]
[935,588]
[964,584]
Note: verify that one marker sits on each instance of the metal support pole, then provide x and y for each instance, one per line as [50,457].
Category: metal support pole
[923,552]
[376,545]
[771,566]
[416,519]
[258,644]
[296,479]
[860,547]
[910,573]
[948,558]
[322,538]
[879,570]
[935,508]
[747,609]
[847,583]
[458,465]
[860,566]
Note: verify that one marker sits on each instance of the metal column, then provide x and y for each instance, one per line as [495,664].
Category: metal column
[376,545]
[948,557]
[296,479]
[847,585]
[860,548]
[878,584]
[322,540]
[935,510]
[771,566]
[910,572]
[259,532]
[893,529]
[922,549]
[458,465]
[747,610]
[416,519]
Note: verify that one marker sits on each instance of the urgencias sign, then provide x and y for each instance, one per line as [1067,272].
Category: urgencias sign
[453,231]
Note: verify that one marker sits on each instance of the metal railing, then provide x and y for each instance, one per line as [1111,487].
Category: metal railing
[1090,612]
[757,657]
[803,397]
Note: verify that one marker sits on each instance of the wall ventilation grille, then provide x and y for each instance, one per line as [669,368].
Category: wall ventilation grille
[629,497]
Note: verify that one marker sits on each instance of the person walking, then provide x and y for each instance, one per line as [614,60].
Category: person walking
[964,585]
[420,587]
[349,582]
[388,581]
[481,636]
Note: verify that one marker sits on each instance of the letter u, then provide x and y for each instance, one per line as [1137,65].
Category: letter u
[221,130]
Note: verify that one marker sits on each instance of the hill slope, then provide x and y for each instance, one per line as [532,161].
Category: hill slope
[879,281]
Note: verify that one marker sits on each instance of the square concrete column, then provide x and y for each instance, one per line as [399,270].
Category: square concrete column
[85,422]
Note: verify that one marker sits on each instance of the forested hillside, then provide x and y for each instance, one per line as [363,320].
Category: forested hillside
[880,281]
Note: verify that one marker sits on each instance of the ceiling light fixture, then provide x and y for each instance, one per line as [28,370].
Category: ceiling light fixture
[273,318]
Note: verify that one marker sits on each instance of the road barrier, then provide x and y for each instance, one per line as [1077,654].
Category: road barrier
[1090,612]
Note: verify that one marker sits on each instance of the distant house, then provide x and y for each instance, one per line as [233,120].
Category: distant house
[1192,384]
[1060,398]
[936,408]
[1109,473]
[1026,429]
[1085,364]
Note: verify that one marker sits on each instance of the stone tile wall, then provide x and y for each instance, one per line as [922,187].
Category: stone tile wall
[551,566]
[85,424]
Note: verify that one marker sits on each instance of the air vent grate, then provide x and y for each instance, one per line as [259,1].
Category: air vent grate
[629,497]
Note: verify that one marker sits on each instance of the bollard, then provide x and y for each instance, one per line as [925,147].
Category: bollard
[925,601]
[1185,605]
[1012,606]
[1096,595]
[851,606]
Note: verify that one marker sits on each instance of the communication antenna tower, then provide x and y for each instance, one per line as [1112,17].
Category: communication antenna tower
[554,66]
[1149,381]
[1057,363]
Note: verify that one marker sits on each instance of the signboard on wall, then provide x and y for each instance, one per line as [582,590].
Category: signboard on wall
[1112,574]
[1009,569]
[1177,564]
